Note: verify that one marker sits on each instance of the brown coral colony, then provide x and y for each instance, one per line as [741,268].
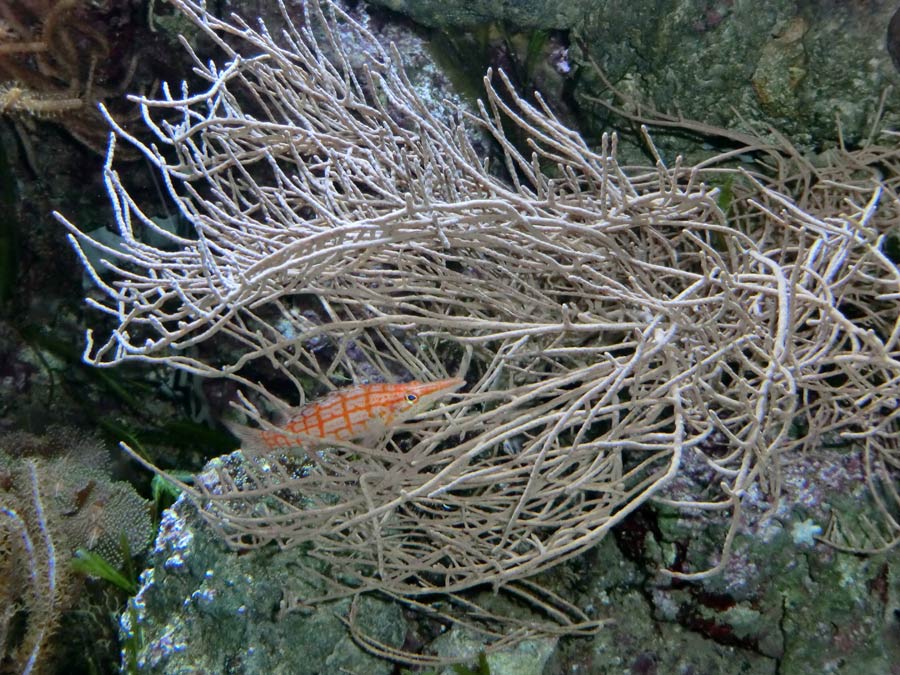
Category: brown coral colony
[55,65]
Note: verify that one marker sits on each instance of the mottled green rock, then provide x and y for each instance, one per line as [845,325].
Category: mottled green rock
[745,64]
[636,642]
[205,609]
[769,63]
[526,658]
[782,591]
[523,13]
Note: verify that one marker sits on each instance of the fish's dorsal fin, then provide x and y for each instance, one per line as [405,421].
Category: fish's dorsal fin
[307,409]
[326,399]
[284,415]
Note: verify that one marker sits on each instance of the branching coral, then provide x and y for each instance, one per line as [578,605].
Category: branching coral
[31,575]
[609,320]
[55,497]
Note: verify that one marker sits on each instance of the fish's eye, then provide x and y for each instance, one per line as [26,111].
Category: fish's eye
[412,398]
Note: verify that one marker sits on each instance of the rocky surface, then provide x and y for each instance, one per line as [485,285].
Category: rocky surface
[783,603]
[204,609]
[798,67]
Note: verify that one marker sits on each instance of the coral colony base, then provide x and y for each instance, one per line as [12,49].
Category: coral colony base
[610,322]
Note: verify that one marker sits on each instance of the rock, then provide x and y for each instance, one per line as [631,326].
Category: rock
[203,608]
[525,658]
[744,64]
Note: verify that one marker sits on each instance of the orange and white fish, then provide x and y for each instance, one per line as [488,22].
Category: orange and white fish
[346,414]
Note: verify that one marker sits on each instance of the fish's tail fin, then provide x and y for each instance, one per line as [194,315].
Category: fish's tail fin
[251,439]
[261,442]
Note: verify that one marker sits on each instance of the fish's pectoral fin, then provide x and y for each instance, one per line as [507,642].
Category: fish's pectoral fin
[376,431]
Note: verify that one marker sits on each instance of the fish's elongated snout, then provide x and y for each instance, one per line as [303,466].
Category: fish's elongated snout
[423,389]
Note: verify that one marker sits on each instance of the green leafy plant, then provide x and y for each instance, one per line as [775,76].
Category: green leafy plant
[95,565]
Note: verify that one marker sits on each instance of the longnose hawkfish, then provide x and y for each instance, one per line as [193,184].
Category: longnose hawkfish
[346,414]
